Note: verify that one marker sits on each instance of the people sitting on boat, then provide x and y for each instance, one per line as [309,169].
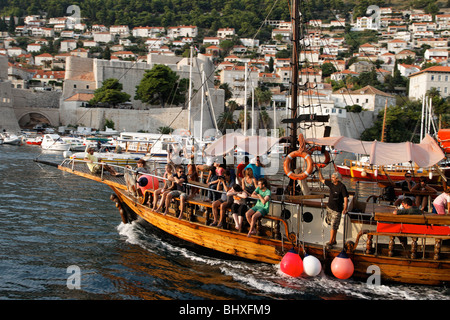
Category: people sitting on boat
[208,162]
[256,166]
[212,182]
[192,174]
[180,180]
[95,166]
[240,169]
[422,200]
[408,208]
[132,174]
[406,185]
[442,202]
[249,183]
[261,208]
[337,203]
[225,184]
[239,206]
[167,187]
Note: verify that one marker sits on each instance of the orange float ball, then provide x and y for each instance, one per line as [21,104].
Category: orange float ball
[342,266]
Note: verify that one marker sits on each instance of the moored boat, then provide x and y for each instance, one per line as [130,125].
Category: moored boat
[54,142]
[34,141]
[11,138]
[76,144]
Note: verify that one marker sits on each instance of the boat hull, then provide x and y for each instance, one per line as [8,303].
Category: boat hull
[378,175]
[391,269]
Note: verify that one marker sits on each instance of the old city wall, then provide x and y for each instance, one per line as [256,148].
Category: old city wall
[133,120]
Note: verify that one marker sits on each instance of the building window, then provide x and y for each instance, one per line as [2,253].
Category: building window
[87,87]
[74,86]
[432,77]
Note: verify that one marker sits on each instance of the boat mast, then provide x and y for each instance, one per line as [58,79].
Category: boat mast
[294,65]
[190,90]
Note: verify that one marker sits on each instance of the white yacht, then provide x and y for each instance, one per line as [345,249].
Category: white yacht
[54,142]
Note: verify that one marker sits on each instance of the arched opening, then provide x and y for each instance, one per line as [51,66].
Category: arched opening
[30,120]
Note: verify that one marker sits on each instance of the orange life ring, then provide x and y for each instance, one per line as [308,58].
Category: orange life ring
[326,154]
[287,165]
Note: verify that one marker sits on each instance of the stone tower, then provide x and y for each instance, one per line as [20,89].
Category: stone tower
[8,120]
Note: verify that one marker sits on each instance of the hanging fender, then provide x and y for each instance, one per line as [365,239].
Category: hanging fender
[287,165]
[326,154]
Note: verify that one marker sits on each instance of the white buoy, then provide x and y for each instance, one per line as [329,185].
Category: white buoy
[311,266]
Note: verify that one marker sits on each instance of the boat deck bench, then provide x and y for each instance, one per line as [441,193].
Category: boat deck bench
[426,226]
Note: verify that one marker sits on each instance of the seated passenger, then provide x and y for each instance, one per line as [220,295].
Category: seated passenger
[132,174]
[180,179]
[225,184]
[422,200]
[212,182]
[256,166]
[262,193]
[442,202]
[241,168]
[406,185]
[249,182]
[94,165]
[408,208]
[239,206]
[167,187]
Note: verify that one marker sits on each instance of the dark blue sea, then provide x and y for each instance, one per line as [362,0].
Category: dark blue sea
[61,238]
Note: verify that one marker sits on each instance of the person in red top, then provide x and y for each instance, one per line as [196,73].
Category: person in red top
[240,169]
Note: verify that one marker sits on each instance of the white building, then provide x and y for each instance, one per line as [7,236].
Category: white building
[434,77]
[369,98]
[226,33]
[182,31]
[68,45]
[122,31]
[104,37]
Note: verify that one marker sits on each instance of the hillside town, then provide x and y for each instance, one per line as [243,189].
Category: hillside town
[410,42]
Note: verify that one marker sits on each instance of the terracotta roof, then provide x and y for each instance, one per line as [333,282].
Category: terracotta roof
[432,69]
[81,97]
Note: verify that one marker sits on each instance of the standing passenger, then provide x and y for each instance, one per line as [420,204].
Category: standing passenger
[337,203]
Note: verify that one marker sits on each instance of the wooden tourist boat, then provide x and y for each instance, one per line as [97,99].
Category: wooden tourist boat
[297,222]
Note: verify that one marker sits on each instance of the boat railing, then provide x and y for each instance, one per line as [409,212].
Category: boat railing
[285,211]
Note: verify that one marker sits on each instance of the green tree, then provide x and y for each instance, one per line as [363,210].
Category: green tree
[161,85]
[328,69]
[110,93]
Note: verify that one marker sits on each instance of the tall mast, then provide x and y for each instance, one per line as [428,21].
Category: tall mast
[294,66]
